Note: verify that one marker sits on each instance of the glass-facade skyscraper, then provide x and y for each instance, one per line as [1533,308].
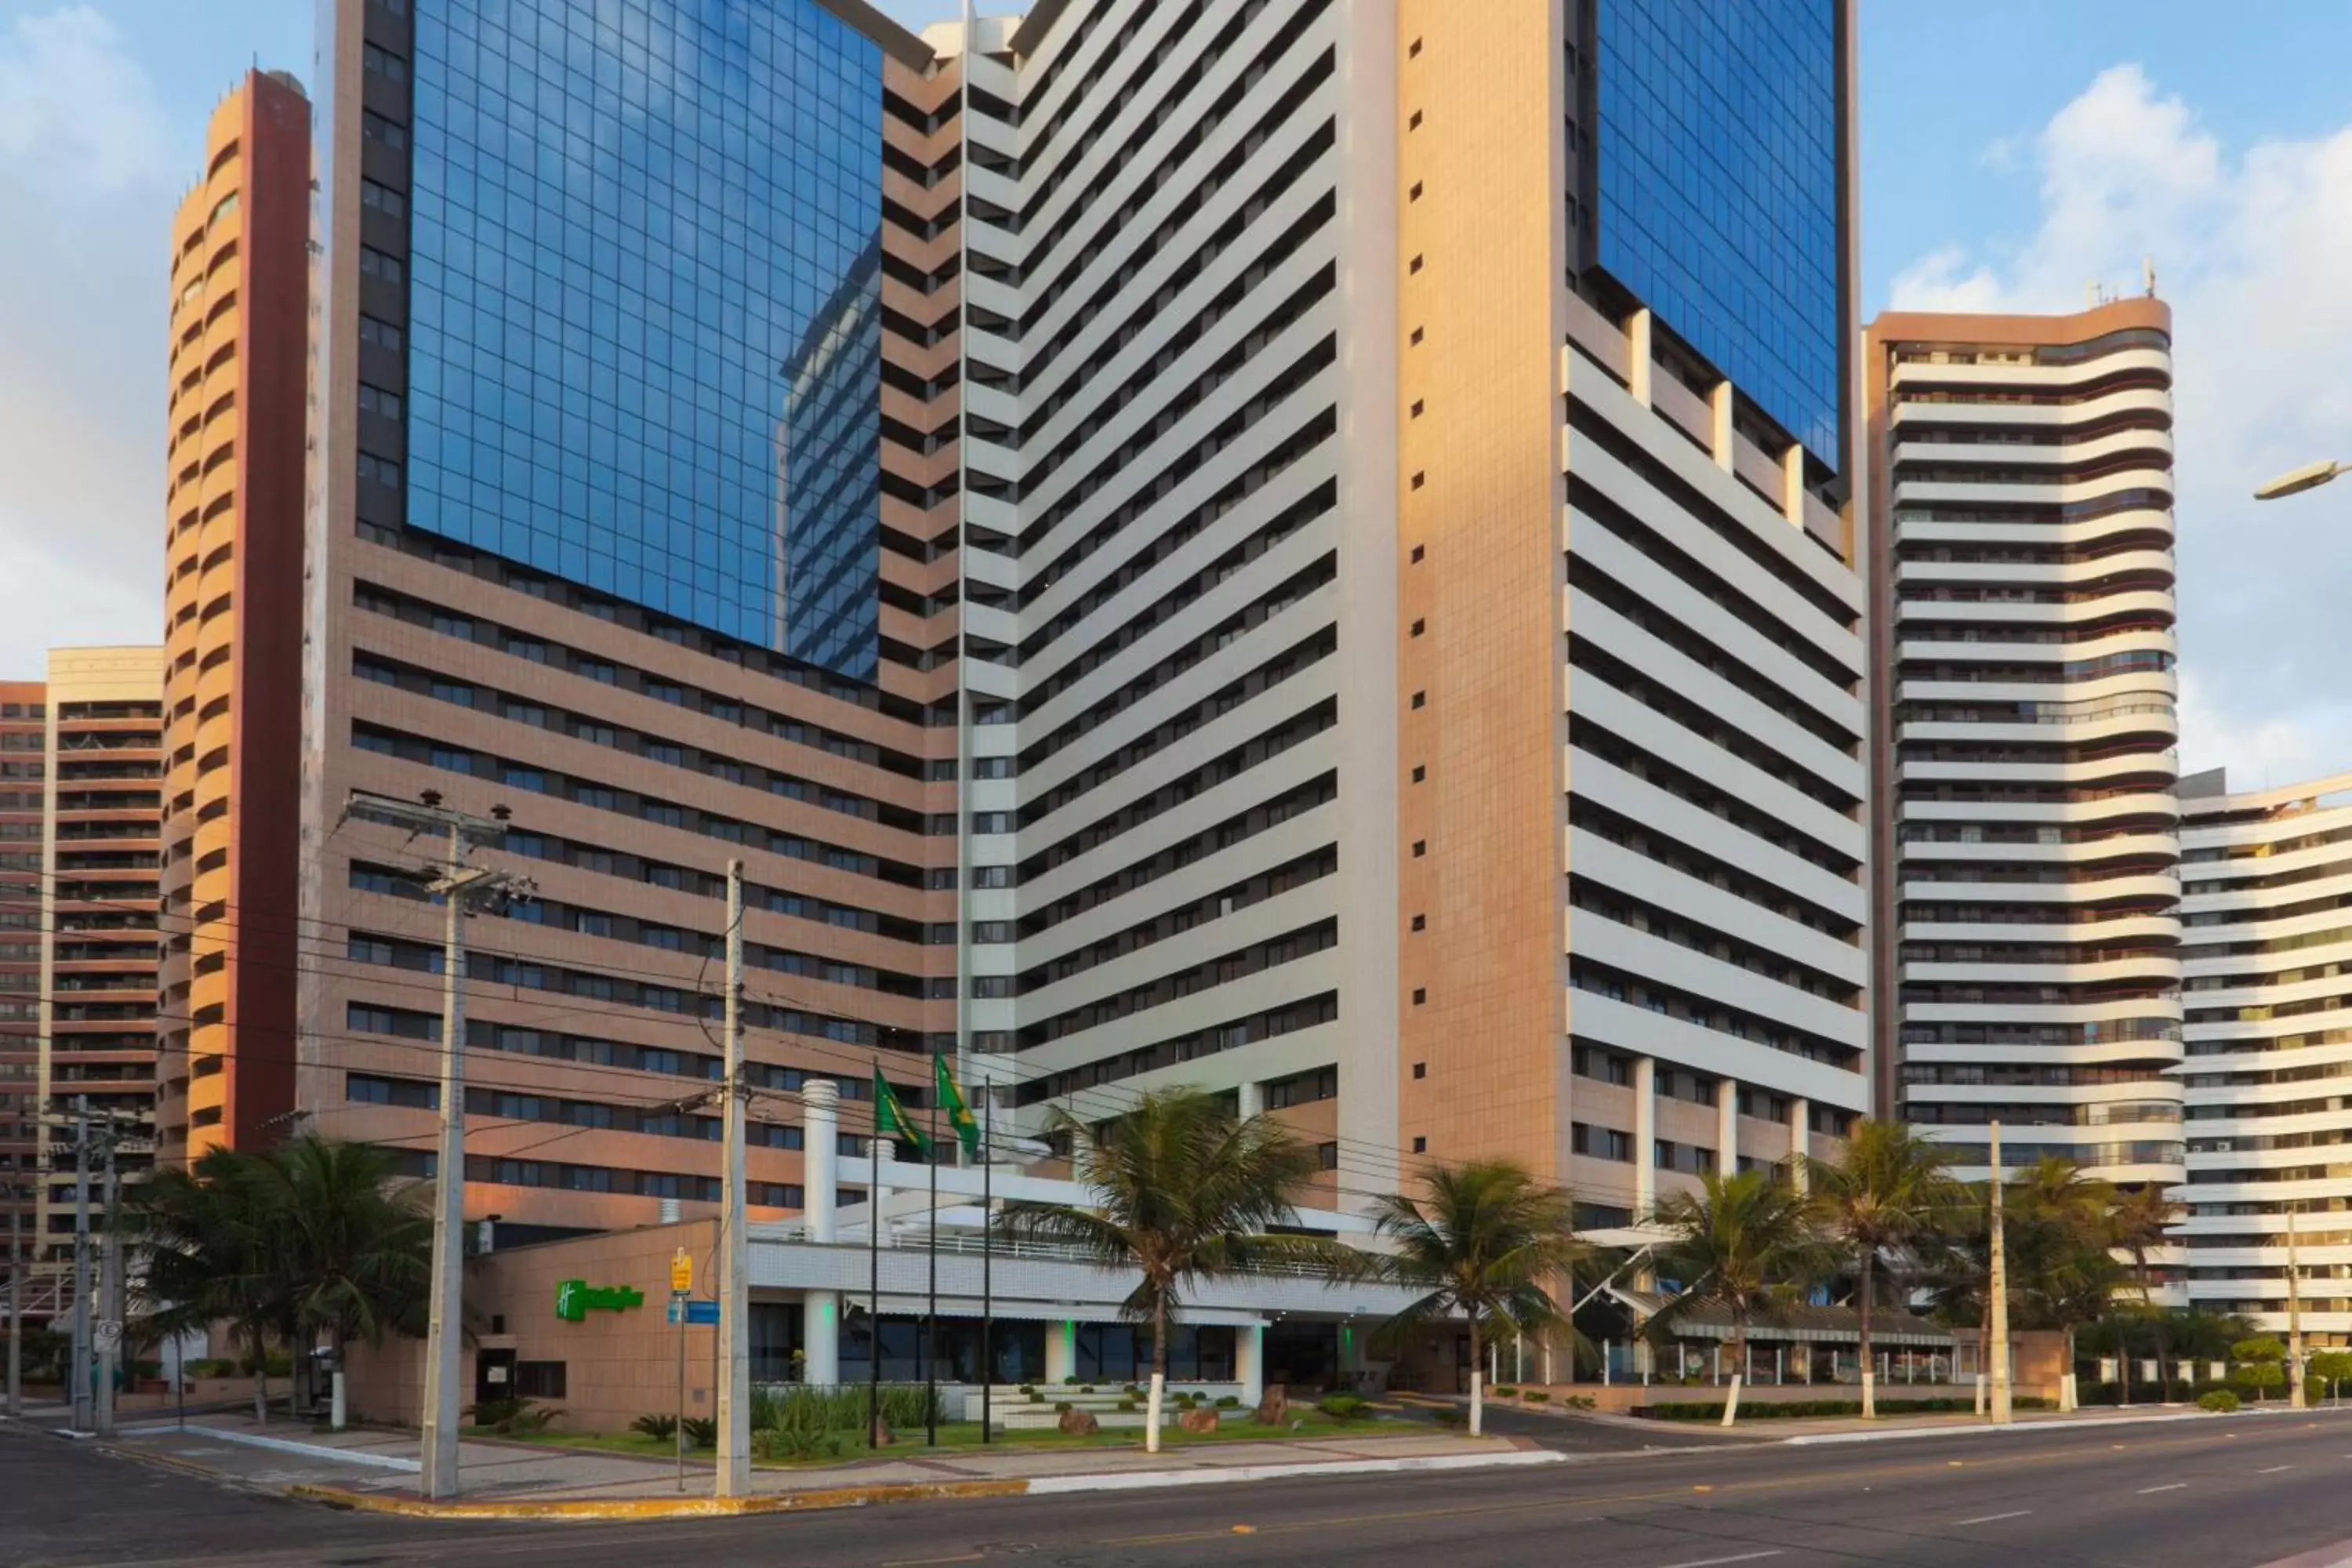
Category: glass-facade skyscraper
[644,346]
[1720,172]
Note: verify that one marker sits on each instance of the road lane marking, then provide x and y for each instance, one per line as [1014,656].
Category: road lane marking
[1989,1518]
[2174,1486]
[2275,1469]
[1713,1561]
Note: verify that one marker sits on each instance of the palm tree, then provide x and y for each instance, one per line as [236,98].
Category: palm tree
[2058,1239]
[1885,1193]
[1183,1192]
[1485,1243]
[356,1244]
[210,1252]
[1744,1243]
[313,1236]
[2136,1225]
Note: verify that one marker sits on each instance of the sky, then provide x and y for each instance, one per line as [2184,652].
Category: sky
[2015,151]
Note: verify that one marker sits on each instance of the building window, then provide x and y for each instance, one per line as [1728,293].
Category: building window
[538,1379]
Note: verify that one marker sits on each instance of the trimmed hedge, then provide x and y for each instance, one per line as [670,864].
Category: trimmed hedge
[2219,1399]
[1791,1409]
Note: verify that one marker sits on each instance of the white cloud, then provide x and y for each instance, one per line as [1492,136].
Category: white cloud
[2252,249]
[76,110]
[87,186]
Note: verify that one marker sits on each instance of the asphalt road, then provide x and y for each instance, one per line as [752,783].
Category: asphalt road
[2220,1494]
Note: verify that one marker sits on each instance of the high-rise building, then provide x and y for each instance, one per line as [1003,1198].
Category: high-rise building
[24,745]
[233,622]
[1631,717]
[1295,549]
[101,849]
[2264,933]
[2029,834]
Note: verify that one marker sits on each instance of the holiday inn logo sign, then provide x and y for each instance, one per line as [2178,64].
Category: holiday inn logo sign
[575,1298]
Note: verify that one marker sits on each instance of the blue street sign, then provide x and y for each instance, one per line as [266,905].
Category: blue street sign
[704,1313]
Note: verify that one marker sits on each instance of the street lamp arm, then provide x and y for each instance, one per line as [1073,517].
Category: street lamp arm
[2294,481]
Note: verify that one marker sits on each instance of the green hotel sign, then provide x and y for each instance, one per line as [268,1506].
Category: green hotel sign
[575,1298]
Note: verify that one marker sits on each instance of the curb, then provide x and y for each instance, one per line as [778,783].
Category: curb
[2094,1424]
[1048,1486]
[587,1508]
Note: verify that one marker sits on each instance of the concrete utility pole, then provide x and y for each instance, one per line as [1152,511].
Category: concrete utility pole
[462,888]
[80,1397]
[2293,1318]
[109,1354]
[15,1305]
[734,1478]
[1996,1344]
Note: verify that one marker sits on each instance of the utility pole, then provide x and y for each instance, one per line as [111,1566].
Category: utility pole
[462,888]
[109,1353]
[734,1242]
[80,1399]
[2293,1318]
[1997,1308]
[15,1304]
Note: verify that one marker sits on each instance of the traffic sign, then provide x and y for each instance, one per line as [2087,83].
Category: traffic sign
[681,1271]
[700,1314]
[106,1332]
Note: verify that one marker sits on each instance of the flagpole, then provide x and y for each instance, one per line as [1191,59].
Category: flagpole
[987,1254]
[873,1270]
[931,1310]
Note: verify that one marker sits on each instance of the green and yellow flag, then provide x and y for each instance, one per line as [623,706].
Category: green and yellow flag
[890,1116]
[960,1115]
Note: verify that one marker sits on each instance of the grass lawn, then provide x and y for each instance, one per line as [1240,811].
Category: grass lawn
[963,1437]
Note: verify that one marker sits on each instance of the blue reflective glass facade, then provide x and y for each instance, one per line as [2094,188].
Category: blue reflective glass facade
[645,336]
[1718,174]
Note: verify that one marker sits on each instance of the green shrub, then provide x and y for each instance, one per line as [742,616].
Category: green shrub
[1578,1402]
[1229,1402]
[1062,1407]
[1505,1393]
[511,1416]
[1030,1389]
[1340,1406]
[1127,1406]
[661,1428]
[1035,1398]
[2219,1399]
[1088,1389]
[1070,1382]
[1453,1418]
[1536,1396]
[702,1432]
[804,1407]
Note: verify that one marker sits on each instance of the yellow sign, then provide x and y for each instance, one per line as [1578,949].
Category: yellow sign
[681,1271]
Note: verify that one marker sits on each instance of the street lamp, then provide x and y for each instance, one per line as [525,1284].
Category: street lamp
[2294,481]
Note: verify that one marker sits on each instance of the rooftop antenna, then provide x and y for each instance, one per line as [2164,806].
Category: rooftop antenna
[2148,272]
[2091,293]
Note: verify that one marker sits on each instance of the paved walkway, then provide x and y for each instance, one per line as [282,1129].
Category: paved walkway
[375,1462]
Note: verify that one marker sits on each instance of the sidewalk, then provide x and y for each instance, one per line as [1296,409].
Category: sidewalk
[377,1469]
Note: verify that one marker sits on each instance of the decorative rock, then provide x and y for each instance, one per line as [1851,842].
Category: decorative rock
[1274,1410]
[883,1435]
[1203,1420]
[1080,1423]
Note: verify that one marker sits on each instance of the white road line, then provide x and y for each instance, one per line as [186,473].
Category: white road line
[2175,1487]
[2275,1469]
[1711,1562]
[1989,1518]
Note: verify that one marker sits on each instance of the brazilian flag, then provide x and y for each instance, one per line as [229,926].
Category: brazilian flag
[890,1116]
[959,1116]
